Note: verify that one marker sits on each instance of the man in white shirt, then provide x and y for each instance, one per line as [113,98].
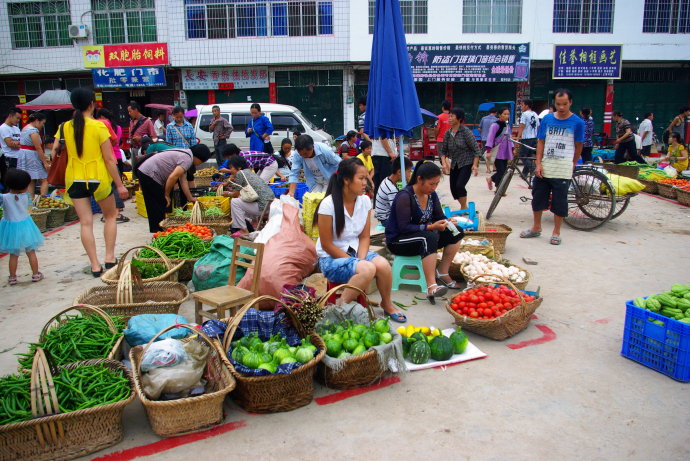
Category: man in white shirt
[9,142]
[527,133]
[160,125]
[646,132]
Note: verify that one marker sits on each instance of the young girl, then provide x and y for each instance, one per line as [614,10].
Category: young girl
[344,220]
[285,152]
[365,157]
[18,232]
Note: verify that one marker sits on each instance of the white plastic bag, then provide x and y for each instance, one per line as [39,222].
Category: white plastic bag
[180,378]
[671,171]
[275,218]
[165,353]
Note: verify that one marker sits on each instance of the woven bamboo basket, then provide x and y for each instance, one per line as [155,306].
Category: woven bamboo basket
[359,370]
[203,181]
[277,392]
[191,414]
[651,187]
[56,217]
[71,214]
[683,196]
[505,326]
[123,299]
[666,190]
[497,233]
[184,273]
[114,354]
[455,269]
[219,224]
[498,279]
[112,275]
[52,435]
[40,217]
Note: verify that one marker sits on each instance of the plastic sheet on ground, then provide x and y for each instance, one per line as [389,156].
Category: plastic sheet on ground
[471,353]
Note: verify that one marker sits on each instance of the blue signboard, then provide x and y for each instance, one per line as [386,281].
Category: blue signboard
[587,61]
[129,77]
[470,62]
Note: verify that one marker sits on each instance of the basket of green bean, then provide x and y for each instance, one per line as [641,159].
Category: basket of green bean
[75,338]
[63,412]
[158,269]
[180,247]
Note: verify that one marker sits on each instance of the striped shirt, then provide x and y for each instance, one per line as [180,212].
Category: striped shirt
[384,199]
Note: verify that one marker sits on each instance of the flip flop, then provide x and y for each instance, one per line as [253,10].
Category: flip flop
[490,183]
[398,317]
[528,234]
[555,240]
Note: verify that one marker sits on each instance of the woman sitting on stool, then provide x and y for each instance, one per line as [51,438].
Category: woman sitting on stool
[344,220]
[417,227]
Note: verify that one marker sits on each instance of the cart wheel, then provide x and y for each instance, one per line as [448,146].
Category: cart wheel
[591,200]
[500,190]
[621,204]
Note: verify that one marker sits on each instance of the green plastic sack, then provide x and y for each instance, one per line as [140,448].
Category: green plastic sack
[213,269]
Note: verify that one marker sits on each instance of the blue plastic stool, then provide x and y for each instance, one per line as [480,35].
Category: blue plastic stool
[401,265]
[471,213]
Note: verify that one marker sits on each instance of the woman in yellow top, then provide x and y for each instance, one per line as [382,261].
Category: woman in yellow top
[365,148]
[677,154]
[91,172]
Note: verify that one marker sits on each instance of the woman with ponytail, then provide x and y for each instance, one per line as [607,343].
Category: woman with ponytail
[499,145]
[344,220]
[91,172]
[31,158]
[418,227]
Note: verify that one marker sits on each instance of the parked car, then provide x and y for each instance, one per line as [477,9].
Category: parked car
[285,119]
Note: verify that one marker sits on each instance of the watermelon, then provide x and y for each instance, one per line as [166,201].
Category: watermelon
[441,348]
[419,352]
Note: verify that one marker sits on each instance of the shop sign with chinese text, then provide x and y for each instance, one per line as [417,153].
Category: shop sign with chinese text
[141,54]
[470,62]
[225,78]
[129,77]
[587,61]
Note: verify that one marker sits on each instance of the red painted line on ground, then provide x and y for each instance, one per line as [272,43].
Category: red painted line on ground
[603,321]
[167,444]
[534,317]
[549,335]
[342,395]
[664,199]
[46,234]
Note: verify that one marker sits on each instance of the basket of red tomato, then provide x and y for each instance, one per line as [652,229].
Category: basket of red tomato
[495,310]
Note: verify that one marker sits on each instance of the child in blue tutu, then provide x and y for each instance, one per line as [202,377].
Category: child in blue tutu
[18,232]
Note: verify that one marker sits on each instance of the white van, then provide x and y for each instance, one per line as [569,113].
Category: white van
[285,119]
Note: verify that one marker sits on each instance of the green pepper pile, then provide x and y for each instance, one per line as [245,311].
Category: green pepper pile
[78,338]
[178,245]
[84,387]
[182,213]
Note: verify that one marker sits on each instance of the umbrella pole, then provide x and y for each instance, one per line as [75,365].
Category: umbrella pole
[401,157]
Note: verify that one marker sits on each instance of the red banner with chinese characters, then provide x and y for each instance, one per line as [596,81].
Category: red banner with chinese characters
[126,55]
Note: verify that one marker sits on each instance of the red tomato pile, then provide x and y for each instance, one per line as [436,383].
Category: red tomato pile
[202,232]
[675,182]
[486,302]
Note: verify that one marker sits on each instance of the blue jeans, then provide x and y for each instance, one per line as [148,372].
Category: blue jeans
[341,270]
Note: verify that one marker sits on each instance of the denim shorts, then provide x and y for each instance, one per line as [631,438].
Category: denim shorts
[341,270]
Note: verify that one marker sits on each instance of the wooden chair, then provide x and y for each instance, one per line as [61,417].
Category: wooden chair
[229,297]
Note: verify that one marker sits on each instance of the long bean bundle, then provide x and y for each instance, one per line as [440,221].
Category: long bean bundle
[178,245]
[77,338]
[83,387]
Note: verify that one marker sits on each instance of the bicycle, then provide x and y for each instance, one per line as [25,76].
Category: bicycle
[508,176]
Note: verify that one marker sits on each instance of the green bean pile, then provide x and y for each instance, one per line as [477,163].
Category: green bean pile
[178,245]
[84,387]
[79,338]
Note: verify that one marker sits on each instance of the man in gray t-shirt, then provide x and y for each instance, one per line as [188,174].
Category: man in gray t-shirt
[486,123]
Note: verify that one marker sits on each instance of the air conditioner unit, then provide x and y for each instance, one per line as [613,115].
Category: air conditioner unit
[78,31]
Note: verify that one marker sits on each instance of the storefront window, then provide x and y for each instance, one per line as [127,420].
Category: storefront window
[666,17]
[39,24]
[492,16]
[583,16]
[124,21]
[275,18]
[414,16]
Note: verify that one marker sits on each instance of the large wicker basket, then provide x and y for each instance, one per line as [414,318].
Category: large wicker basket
[112,275]
[219,224]
[359,370]
[683,196]
[191,414]
[62,436]
[651,187]
[40,217]
[666,190]
[56,217]
[520,285]
[114,354]
[71,214]
[505,326]
[203,181]
[184,273]
[277,392]
[497,233]
[150,298]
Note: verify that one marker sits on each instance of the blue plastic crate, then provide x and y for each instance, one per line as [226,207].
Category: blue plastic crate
[281,188]
[95,208]
[302,189]
[665,349]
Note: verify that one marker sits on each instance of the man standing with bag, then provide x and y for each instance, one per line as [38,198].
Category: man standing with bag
[221,130]
[138,127]
[179,132]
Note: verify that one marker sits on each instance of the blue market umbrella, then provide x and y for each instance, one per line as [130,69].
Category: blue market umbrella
[392,103]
